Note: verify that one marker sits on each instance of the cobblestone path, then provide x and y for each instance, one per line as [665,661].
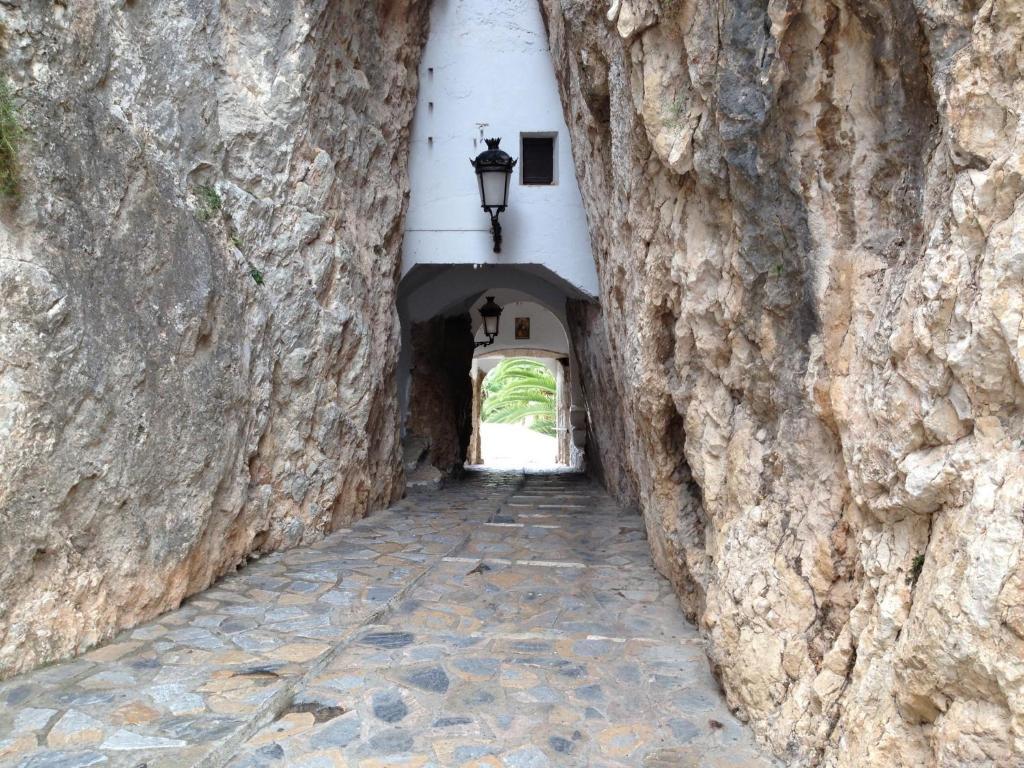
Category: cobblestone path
[500,622]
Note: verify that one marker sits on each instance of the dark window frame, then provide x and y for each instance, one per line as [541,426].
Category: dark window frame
[525,162]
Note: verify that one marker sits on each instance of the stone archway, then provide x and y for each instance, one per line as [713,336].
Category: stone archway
[439,380]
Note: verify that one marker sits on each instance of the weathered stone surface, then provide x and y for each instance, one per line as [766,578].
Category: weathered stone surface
[474,454]
[441,394]
[808,221]
[807,371]
[600,387]
[188,377]
[389,707]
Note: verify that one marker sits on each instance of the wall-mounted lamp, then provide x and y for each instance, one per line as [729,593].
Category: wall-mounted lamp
[493,172]
[490,313]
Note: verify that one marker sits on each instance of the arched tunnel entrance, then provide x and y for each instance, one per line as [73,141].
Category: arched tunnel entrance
[444,363]
[517,420]
[520,410]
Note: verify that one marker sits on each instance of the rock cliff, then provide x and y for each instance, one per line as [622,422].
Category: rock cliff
[198,337]
[809,227]
[806,370]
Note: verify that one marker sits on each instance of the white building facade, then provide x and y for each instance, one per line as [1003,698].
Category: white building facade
[487,72]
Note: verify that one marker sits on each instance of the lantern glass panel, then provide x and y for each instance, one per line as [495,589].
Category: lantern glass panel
[491,325]
[494,188]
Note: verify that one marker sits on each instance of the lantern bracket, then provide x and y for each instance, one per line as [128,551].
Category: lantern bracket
[490,311]
[496,231]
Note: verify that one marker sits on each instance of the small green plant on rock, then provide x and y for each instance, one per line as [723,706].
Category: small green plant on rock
[10,141]
[209,202]
[675,111]
[256,275]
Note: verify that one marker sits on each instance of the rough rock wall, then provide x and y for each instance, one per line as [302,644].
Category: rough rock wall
[441,394]
[197,287]
[606,427]
[474,454]
[809,226]
[563,425]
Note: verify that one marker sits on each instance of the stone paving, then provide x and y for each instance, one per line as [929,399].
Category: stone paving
[504,621]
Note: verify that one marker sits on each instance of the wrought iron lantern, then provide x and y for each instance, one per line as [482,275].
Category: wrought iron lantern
[493,173]
[490,313]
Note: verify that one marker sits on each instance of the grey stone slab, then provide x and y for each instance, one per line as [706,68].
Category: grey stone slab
[389,707]
[433,679]
[199,729]
[391,742]
[339,732]
[32,719]
[57,759]
[449,722]
[474,752]
[72,724]
[124,740]
[477,666]
[527,757]
[387,639]
[561,745]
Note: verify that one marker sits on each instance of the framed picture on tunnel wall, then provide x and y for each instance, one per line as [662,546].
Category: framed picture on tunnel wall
[522,328]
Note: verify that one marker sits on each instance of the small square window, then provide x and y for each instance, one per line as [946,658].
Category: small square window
[538,159]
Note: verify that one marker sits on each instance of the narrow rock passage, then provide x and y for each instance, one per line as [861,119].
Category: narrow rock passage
[502,621]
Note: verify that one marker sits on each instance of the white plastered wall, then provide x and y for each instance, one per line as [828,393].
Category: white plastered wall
[486,71]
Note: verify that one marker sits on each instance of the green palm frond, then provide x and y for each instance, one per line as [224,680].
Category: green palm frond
[519,390]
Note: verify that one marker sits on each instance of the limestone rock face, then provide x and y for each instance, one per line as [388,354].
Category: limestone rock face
[809,226]
[197,326]
[603,396]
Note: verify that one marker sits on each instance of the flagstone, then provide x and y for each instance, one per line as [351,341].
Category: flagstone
[75,729]
[123,740]
[17,746]
[299,652]
[134,713]
[112,652]
[404,640]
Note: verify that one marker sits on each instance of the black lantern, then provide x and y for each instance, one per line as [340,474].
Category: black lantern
[490,313]
[494,172]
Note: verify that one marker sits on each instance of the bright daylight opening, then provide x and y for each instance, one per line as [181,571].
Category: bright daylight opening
[518,415]
[522,398]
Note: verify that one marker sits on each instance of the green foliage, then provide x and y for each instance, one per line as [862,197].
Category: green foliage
[915,570]
[675,111]
[256,275]
[519,390]
[10,140]
[209,202]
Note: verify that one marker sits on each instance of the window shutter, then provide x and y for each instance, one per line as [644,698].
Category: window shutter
[538,160]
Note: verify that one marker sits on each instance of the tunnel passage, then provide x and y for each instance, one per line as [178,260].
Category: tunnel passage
[510,616]
[198,349]
[532,346]
[446,356]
